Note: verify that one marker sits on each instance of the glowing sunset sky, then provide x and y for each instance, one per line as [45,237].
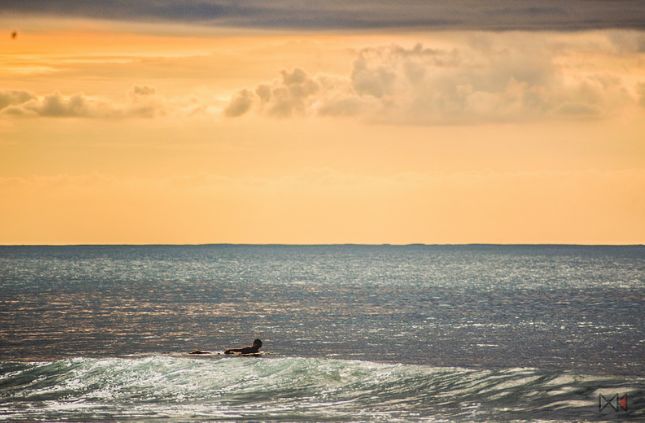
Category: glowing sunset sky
[322,122]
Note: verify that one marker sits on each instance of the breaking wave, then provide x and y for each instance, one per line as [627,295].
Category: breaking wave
[292,388]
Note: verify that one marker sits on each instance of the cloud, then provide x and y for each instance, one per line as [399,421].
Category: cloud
[240,104]
[377,80]
[627,41]
[357,14]
[59,106]
[10,98]
[141,103]
[482,80]
[290,95]
[143,90]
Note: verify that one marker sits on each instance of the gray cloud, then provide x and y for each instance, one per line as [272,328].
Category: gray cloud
[21,103]
[626,42]
[143,90]
[486,80]
[10,98]
[377,81]
[56,105]
[240,104]
[357,14]
[290,95]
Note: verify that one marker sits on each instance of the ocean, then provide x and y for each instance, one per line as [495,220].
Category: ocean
[352,332]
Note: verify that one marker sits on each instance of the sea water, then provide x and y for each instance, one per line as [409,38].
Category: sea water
[359,333]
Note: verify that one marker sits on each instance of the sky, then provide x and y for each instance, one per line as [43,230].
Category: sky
[305,122]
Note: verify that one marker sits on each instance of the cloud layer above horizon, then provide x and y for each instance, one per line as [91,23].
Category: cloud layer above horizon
[472,78]
[141,102]
[156,122]
[488,78]
[354,15]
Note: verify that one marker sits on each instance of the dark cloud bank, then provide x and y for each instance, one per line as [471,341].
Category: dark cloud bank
[354,14]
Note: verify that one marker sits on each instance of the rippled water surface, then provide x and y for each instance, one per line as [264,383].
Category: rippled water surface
[355,332]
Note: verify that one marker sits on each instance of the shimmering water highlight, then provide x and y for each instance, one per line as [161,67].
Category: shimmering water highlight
[357,332]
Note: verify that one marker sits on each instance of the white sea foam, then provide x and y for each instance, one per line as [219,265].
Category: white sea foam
[286,388]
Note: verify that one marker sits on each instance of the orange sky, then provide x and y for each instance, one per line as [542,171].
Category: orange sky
[145,134]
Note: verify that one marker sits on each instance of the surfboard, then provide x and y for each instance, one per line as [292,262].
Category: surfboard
[257,354]
[199,353]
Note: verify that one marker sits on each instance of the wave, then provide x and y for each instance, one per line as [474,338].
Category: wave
[293,388]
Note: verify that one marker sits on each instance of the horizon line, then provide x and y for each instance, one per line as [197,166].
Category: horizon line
[348,244]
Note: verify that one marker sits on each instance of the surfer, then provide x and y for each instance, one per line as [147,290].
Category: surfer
[254,349]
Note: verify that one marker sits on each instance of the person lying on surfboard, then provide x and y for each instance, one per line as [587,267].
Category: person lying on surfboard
[254,349]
